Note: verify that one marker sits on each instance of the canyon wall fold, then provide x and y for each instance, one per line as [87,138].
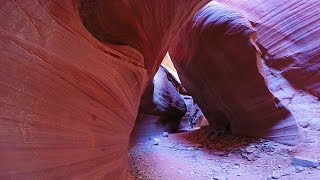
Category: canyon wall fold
[288,33]
[162,97]
[69,100]
[148,26]
[217,58]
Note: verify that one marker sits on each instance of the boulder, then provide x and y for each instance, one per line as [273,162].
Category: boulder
[304,162]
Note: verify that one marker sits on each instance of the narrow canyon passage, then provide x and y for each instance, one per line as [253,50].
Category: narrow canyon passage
[285,63]
[194,155]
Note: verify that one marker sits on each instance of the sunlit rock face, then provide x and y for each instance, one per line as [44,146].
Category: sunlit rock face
[68,101]
[162,97]
[216,58]
[289,33]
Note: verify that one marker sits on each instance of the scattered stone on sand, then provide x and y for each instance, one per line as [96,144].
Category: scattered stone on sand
[250,149]
[304,162]
[190,149]
[220,178]
[274,176]
[248,157]
[278,174]
[304,124]
[236,166]
[156,141]
[299,169]
[179,172]
[219,153]
[165,134]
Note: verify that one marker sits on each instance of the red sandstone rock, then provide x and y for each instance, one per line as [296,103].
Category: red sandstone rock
[68,102]
[289,31]
[216,58]
[162,98]
[148,26]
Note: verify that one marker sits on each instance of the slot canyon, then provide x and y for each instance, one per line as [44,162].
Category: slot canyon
[160,89]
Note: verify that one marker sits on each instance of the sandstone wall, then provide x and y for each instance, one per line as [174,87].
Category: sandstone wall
[68,101]
[288,32]
[217,60]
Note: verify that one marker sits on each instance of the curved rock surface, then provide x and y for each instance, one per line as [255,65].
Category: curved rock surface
[289,31]
[162,97]
[148,26]
[216,58]
[67,101]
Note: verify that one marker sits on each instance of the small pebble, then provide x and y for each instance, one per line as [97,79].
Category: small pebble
[304,124]
[220,178]
[275,176]
[236,166]
[219,153]
[189,149]
[165,134]
[299,169]
[156,143]
[250,149]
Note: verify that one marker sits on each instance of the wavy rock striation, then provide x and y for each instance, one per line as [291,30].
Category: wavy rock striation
[68,102]
[162,98]
[289,33]
[216,58]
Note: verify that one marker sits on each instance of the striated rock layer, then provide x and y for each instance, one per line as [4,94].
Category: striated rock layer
[216,58]
[289,33]
[146,25]
[67,101]
[163,99]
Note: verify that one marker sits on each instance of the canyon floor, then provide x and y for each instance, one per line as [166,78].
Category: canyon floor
[195,154]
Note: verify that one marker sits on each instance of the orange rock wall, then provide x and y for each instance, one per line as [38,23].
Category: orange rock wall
[217,60]
[68,102]
[289,33]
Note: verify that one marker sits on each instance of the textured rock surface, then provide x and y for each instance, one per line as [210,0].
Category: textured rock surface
[192,108]
[162,97]
[304,162]
[289,31]
[216,58]
[145,25]
[67,101]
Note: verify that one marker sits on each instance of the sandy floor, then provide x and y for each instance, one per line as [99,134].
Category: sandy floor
[197,155]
